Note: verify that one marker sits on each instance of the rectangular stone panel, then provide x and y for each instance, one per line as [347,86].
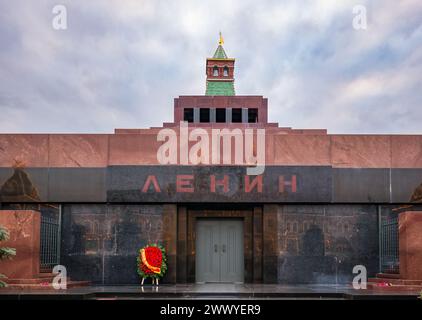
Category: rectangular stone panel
[133,149]
[182,249]
[305,150]
[217,184]
[82,241]
[29,150]
[361,185]
[406,185]
[270,243]
[406,151]
[410,242]
[24,231]
[360,151]
[23,184]
[322,243]
[77,184]
[257,245]
[78,150]
[100,243]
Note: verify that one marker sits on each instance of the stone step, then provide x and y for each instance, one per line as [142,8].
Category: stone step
[396,281]
[402,288]
[28,281]
[388,275]
[47,286]
[47,275]
[32,280]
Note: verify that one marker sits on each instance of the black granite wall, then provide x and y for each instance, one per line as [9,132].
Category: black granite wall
[312,243]
[117,184]
[100,242]
[322,243]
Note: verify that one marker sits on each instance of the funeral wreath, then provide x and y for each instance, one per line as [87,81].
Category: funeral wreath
[152,262]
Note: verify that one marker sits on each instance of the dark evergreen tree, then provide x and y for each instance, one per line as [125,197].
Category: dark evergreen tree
[5,252]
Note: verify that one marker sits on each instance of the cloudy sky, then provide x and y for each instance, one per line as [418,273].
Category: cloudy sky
[119,64]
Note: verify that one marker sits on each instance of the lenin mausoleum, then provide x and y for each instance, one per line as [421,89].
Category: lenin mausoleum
[282,205]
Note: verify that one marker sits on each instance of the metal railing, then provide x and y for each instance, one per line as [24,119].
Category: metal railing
[389,245]
[50,243]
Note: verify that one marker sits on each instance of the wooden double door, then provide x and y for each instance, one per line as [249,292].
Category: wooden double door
[219,250]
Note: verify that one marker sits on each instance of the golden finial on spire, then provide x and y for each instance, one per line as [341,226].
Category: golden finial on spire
[221,41]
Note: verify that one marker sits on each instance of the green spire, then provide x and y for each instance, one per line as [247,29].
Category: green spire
[220,85]
[220,53]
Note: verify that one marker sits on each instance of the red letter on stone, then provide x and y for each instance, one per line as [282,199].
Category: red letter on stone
[184,183]
[257,182]
[224,182]
[282,184]
[153,180]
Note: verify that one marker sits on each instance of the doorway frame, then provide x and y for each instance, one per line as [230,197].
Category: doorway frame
[252,239]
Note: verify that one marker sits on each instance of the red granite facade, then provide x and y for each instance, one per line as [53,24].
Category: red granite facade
[310,217]
[285,146]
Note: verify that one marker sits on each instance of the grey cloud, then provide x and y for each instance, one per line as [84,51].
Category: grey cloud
[120,64]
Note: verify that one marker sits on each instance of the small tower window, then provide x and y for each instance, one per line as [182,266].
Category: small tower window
[215,71]
[236,115]
[252,115]
[204,115]
[220,115]
[226,71]
[188,114]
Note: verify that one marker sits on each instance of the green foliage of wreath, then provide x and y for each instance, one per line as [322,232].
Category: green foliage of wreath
[163,267]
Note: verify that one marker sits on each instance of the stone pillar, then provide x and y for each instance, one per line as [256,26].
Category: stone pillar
[182,245]
[270,243]
[213,115]
[245,116]
[228,115]
[24,228]
[410,245]
[196,115]
[170,240]
[257,245]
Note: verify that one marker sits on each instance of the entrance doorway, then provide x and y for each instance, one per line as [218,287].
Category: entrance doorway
[219,250]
